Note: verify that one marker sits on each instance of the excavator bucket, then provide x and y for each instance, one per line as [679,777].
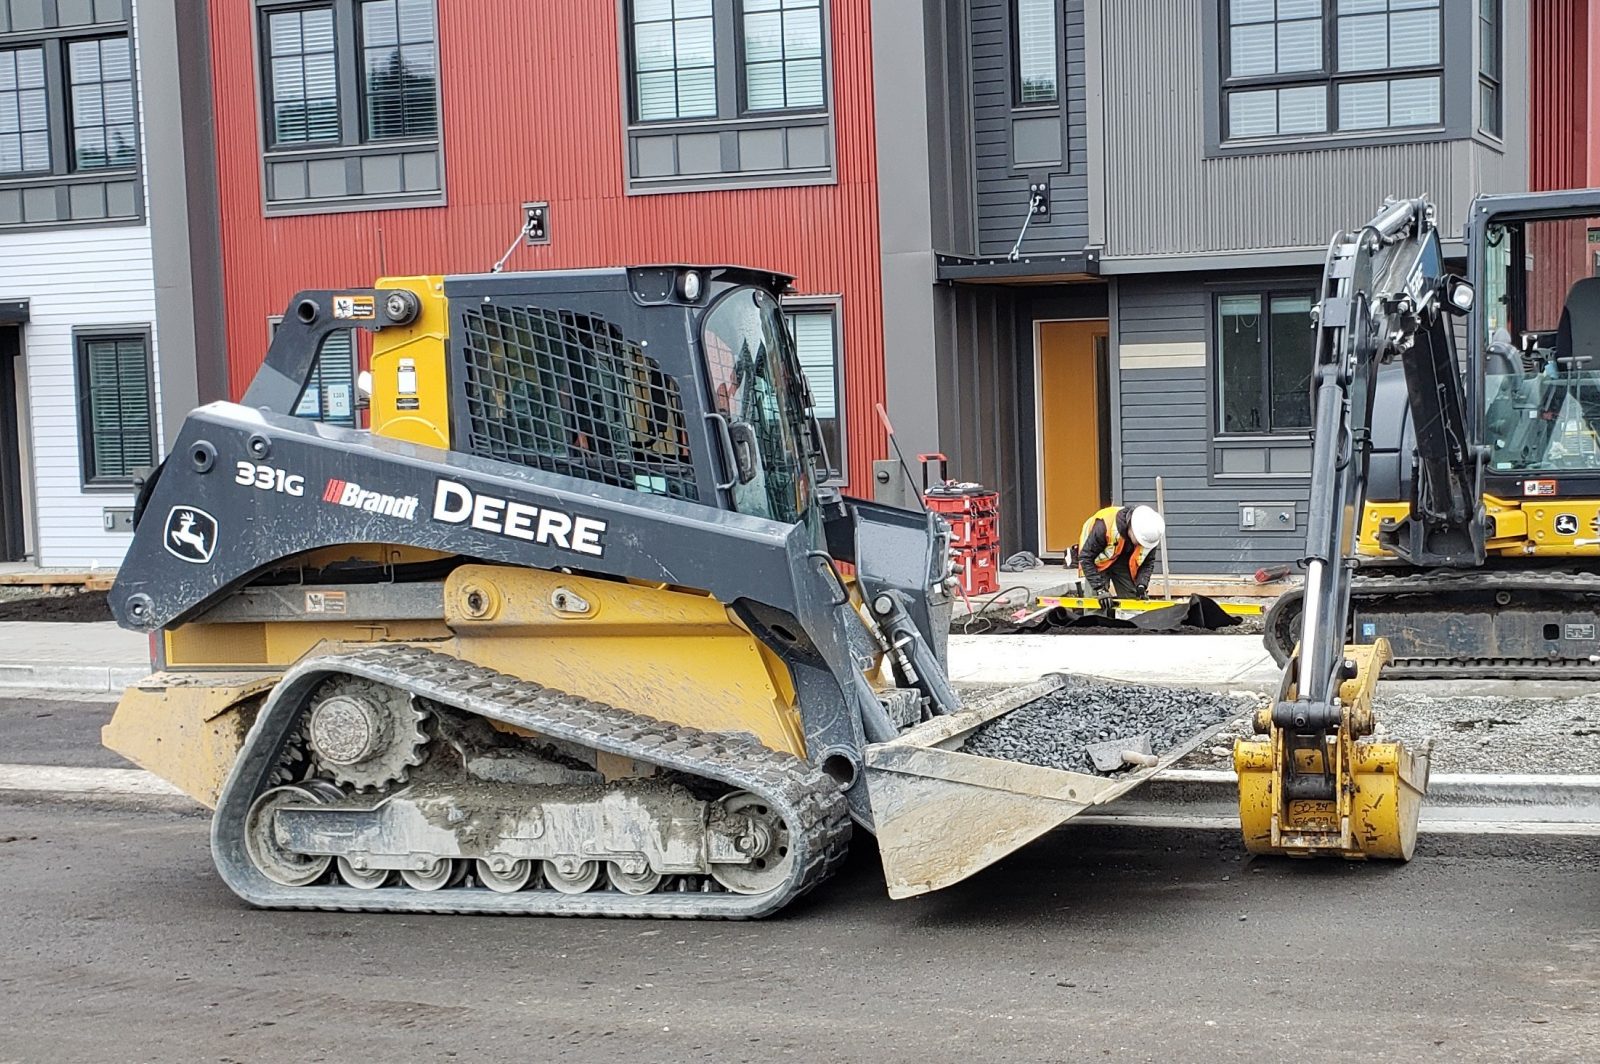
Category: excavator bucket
[1337,794]
[942,814]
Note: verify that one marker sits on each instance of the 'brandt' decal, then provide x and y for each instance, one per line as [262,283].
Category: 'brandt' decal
[353,495]
[457,504]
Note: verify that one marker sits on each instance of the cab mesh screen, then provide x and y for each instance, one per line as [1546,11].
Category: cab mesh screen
[567,393]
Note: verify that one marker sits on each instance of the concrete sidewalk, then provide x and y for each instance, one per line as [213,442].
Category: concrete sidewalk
[102,658]
[81,658]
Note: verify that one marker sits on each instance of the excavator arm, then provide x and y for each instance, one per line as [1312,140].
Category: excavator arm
[1310,786]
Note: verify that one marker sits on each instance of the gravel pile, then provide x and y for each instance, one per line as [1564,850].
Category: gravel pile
[1056,730]
[1470,733]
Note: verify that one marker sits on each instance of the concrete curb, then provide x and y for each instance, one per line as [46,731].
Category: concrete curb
[1456,802]
[1186,799]
[16,678]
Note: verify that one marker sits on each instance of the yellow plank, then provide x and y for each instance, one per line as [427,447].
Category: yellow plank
[1233,609]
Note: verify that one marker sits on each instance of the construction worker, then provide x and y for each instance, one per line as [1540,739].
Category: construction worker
[1117,551]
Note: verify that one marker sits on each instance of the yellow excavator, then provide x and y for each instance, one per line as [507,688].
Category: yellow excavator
[1455,500]
[1481,520]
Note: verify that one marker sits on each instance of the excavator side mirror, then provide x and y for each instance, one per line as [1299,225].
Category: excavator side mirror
[746,456]
[1458,294]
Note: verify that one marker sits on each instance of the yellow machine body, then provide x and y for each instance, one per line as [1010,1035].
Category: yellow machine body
[1519,528]
[688,660]
[1377,786]
[410,388]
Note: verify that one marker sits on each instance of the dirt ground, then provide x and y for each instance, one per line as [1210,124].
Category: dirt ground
[64,604]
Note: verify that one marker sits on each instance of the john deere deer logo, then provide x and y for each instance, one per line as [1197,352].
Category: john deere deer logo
[191,534]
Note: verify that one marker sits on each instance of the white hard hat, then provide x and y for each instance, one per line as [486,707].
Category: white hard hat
[1147,527]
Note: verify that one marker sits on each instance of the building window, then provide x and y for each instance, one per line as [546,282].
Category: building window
[350,90]
[69,122]
[725,93]
[782,54]
[330,391]
[399,78]
[1489,67]
[100,76]
[116,406]
[302,82]
[1264,353]
[1310,67]
[674,57]
[816,341]
[330,394]
[24,112]
[1034,81]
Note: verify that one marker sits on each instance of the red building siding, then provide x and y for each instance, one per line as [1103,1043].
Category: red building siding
[532,111]
[1563,147]
[1563,36]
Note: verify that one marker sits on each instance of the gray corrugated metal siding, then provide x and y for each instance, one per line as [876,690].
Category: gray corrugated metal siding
[1002,189]
[1165,198]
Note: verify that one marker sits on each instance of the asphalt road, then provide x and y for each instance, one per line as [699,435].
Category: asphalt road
[121,945]
[118,943]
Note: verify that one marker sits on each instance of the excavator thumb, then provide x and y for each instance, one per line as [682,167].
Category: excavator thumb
[1307,790]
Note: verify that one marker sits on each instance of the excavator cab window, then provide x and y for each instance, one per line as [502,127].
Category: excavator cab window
[756,385]
[1542,348]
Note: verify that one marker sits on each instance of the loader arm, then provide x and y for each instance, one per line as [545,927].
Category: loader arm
[1309,787]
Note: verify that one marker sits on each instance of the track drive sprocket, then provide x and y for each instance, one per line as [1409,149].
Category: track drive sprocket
[365,735]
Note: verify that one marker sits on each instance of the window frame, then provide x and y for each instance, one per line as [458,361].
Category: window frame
[653,160]
[264,13]
[1494,79]
[71,120]
[62,177]
[833,307]
[49,127]
[741,62]
[352,146]
[1266,290]
[81,337]
[364,90]
[631,58]
[1453,69]
[1058,50]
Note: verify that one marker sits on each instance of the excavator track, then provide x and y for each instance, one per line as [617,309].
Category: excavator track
[1472,591]
[809,803]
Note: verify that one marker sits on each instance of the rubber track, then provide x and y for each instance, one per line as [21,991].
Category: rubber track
[808,800]
[1481,582]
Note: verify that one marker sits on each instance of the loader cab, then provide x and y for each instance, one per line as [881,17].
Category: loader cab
[1536,342]
[676,381]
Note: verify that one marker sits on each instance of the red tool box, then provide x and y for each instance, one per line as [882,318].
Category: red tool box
[973,514]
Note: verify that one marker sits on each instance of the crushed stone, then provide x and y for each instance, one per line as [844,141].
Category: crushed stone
[1470,733]
[1055,731]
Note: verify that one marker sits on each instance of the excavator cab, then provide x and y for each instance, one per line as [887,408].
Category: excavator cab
[1542,399]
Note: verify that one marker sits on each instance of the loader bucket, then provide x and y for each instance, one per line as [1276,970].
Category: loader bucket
[941,814]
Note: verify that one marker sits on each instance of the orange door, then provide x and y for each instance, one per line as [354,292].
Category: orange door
[1073,468]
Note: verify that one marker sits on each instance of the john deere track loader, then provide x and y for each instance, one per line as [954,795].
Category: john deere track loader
[570,627]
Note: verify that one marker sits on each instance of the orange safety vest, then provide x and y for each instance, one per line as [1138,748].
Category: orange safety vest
[1114,541]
